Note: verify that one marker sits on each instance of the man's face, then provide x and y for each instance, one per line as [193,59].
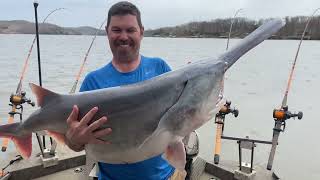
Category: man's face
[124,36]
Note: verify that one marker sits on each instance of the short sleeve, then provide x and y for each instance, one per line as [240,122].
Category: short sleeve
[165,67]
[84,85]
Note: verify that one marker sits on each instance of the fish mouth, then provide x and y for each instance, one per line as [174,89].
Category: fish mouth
[220,99]
[220,103]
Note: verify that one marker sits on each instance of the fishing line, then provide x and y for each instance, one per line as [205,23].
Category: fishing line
[26,62]
[75,84]
[285,97]
[74,87]
[231,25]
[283,114]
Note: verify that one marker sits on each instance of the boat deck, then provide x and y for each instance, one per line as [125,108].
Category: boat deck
[74,166]
[33,168]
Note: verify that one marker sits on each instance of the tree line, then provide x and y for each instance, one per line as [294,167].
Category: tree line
[219,28]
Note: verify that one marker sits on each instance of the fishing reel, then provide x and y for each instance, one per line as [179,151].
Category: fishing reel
[225,110]
[283,114]
[16,101]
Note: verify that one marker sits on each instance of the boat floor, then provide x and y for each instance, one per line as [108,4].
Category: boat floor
[201,170]
[79,173]
[75,166]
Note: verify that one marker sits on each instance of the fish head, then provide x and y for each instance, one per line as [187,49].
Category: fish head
[200,100]
[208,89]
[215,100]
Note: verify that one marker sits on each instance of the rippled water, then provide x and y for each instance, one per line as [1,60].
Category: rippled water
[255,84]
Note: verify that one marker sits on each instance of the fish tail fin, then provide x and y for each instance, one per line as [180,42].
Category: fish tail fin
[23,143]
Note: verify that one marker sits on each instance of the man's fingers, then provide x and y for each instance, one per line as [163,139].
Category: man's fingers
[73,115]
[102,132]
[95,125]
[98,141]
[86,119]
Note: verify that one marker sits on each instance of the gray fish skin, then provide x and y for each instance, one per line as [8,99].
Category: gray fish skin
[147,117]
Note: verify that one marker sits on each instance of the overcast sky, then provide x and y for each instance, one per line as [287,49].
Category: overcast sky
[155,13]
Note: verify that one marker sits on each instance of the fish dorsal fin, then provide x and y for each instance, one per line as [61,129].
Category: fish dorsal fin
[43,95]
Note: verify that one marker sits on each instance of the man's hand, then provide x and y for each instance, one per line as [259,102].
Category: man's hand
[80,133]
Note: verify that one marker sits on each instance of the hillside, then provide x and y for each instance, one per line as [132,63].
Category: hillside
[219,28]
[216,28]
[25,27]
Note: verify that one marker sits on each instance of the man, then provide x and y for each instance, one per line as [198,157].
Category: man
[125,32]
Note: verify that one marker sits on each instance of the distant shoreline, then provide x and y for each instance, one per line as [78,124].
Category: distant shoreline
[26,27]
[217,28]
[274,38]
[189,37]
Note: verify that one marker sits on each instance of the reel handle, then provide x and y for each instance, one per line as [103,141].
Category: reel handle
[226,109]
[299,115]
[235,112]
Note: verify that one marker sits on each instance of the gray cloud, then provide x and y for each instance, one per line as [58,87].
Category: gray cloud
[156,13]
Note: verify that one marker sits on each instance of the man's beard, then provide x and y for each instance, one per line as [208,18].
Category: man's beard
[128,54]
[125,57]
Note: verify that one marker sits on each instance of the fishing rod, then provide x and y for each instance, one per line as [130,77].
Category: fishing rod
[282,114]
[231,25]
[19,98]
[226,109]
[219,120]
[75,84]
[3,173]
[19,87]
[35,4]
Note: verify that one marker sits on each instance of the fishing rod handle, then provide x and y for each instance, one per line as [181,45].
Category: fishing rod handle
[274,144]
[217,149]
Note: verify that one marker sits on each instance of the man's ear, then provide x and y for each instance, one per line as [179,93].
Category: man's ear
[142,31]
[106,28]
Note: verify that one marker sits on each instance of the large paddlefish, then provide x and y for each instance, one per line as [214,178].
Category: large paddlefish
[148,118]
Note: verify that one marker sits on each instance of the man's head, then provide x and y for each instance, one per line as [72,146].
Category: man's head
[124,8]
[124,31]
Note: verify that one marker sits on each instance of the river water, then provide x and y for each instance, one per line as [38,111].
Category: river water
[255,85]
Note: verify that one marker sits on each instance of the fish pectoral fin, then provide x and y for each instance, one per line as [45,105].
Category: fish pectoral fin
[57,136]
[175,154]
[23,145]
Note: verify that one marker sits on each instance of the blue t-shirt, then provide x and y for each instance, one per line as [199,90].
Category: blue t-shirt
[155,168]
